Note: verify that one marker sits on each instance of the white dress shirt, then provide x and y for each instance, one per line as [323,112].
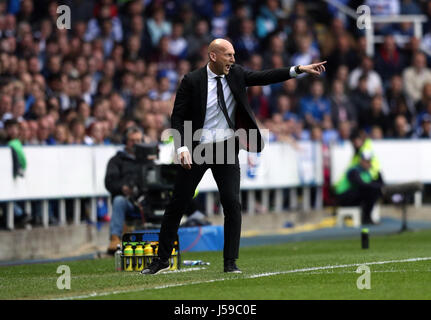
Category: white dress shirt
[215,126]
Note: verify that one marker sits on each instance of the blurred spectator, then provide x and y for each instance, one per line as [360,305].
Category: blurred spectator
[267,18]
[276,47]
[24,132]
[105,26]
[343,53]
[412,47]
[77,131]
[376,133]
[424,131]
[423,114]
[306,53]
[5,109]
[245,42]
[300,29]
[219,19]
[164,60]
[241,12]
[130,9]
[374,116]
[43,130]
[402,30]
[61,135]
[389,60]
[288,88]
[177,43]
[200,37]
[344,130]
[374,81]
[284,108]
[95,134]
[395,94]
[316,133]
[421,105]
[138,29]
[415,76]
[402,129]
[158,26]
[359,96]
[188,18]
[329,132]
[315,107]
[133,49]
[401,109]
[342,110]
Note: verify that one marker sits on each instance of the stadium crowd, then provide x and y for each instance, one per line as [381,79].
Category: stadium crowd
[121,61]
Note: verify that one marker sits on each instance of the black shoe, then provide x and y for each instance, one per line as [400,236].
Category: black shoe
[156,266]
[230,266]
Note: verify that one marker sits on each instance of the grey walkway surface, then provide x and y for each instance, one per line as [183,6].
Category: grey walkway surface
[388,225]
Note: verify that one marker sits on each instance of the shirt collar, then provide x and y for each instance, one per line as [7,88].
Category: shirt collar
[212,75]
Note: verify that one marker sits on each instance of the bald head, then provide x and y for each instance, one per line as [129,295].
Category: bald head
[221,55]
[219,45]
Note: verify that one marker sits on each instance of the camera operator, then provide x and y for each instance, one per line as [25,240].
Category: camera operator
[121,180]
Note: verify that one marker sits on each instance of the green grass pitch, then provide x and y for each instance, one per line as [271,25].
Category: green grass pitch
[296,270]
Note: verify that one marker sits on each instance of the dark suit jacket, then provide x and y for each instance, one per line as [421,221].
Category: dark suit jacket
[191,103]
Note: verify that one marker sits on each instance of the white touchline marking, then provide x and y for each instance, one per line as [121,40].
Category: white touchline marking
[253,276]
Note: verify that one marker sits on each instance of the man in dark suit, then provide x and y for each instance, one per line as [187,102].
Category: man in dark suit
[212,120]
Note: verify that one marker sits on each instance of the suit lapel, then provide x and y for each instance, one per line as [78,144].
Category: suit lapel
[237,95]
[232,86]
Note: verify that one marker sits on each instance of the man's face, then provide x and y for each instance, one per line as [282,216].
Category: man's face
[317,89]
[419,61]
[223,59]
[358,142]
[13,131]
[132,139]
[366,164]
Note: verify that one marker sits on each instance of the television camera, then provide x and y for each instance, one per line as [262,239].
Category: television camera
[155,183]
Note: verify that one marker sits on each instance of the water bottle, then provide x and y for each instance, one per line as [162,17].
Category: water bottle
[117,256]
[128,258]
[365,239]
[148,254]
[195,263]
[139,256]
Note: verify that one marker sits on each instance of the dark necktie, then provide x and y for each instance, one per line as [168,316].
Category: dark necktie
[222,103]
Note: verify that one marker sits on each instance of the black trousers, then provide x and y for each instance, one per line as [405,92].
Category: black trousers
[365,198]
[227,178]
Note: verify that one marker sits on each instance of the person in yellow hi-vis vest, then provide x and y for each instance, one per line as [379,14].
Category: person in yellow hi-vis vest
[358,187]
[361,144]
